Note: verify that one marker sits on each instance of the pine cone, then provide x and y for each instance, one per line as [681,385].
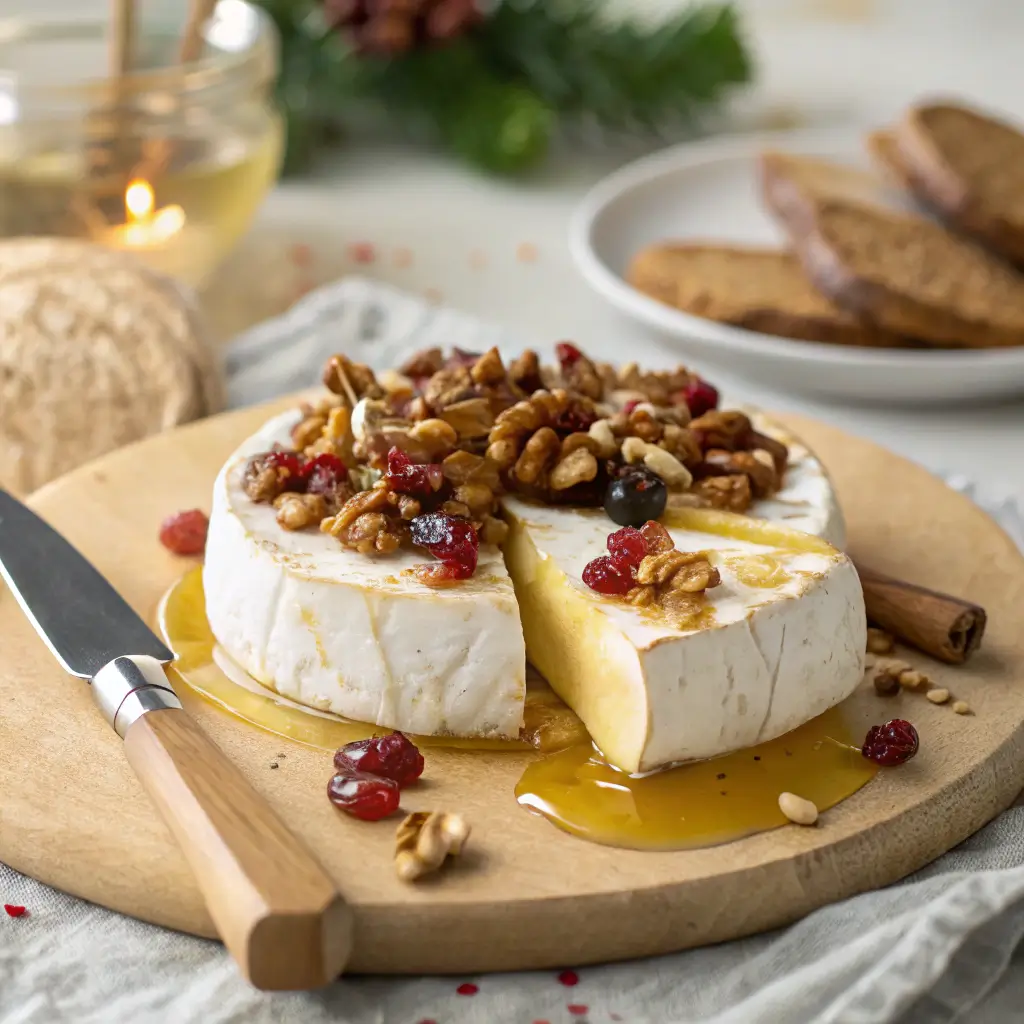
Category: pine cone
[391,27]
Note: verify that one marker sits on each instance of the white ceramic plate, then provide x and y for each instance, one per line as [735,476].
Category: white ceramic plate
[708,191]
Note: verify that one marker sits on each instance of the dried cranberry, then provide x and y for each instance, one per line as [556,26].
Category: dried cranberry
[575,419]
[630,405]
[892,743]
[13,910]
[323,473]
[657,538]
[184,533]
[362,795]
[407,477]
[699,396]
[567,354]
[392,757]
[627,546]
[290,462]
[451,539]
[607,576]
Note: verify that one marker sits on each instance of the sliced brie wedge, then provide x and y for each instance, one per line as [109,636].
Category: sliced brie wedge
[358,636]
[782,639]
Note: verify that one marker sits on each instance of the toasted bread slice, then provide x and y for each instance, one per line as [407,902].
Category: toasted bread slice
[884,151]
[759,289]
[902,272]
[970,168]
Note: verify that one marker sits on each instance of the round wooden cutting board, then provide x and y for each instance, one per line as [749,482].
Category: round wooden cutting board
[525,895]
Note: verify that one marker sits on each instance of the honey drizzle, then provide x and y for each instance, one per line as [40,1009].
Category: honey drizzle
[687,807]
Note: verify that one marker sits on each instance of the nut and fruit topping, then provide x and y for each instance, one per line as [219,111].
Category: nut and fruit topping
[392,757]
[369,775]
[644,567]
[635,497]
[425,840]
[892,743]
[450,435]
[184,533]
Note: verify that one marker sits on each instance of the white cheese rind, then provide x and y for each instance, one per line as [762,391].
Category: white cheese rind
[336,630]
[807,500]
[772,659]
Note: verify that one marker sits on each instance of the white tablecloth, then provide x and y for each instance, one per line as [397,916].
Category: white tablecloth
[935,949]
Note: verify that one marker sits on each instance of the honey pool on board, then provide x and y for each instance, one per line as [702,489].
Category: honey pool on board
[694,805]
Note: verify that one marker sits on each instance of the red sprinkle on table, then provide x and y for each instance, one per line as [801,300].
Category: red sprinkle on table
[569,978]
[14,911]
[184,533]
[362,252]
[392,757]
[577,1009]
[891,743]
[467,988]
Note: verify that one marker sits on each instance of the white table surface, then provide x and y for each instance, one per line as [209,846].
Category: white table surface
[821,61]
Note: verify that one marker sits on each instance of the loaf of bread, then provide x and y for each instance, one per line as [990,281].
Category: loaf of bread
[759,289]
[967,166]
[96,351]
[902,272]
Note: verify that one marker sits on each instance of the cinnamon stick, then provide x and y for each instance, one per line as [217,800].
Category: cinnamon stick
[946,627]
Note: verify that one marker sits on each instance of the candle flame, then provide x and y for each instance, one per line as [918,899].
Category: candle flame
[138,200]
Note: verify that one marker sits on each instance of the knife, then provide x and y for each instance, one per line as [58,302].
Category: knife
[275,908]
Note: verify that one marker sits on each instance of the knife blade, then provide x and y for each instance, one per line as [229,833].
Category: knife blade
[276,909]
[84,621]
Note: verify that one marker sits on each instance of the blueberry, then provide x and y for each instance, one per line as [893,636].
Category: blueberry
[635,497]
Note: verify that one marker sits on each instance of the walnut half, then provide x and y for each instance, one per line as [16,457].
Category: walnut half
[425,839]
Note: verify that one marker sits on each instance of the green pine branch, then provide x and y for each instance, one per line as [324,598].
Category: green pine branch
[624,74]
[495,95]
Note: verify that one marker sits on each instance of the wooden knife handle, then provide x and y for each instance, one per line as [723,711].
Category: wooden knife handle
[277,911]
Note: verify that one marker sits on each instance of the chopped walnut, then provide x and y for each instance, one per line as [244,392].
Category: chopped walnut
[471,417]
[729,430]
[730,493]
[262,482]
[578,466]
[373,500]
[478,498]
[539,452]
[308,429]
[456,508]
[425,839]
[761,473]
[681,442]
[436,436]
[523,439]
[351,381]
[776,449]
[524,372]
[423,364]
[397,386]
[674,582]
[408,506]
[488,369]
[373,532]
[463,467]
[297,511]
[448,386]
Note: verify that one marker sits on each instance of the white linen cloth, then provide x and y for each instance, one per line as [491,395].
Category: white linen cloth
[937,948]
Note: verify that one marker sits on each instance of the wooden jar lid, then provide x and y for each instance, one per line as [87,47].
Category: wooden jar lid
[96,351]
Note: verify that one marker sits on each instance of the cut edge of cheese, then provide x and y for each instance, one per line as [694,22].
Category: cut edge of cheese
[340,632]
[768,658]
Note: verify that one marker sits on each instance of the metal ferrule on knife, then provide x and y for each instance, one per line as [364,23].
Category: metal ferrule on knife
[129,687]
